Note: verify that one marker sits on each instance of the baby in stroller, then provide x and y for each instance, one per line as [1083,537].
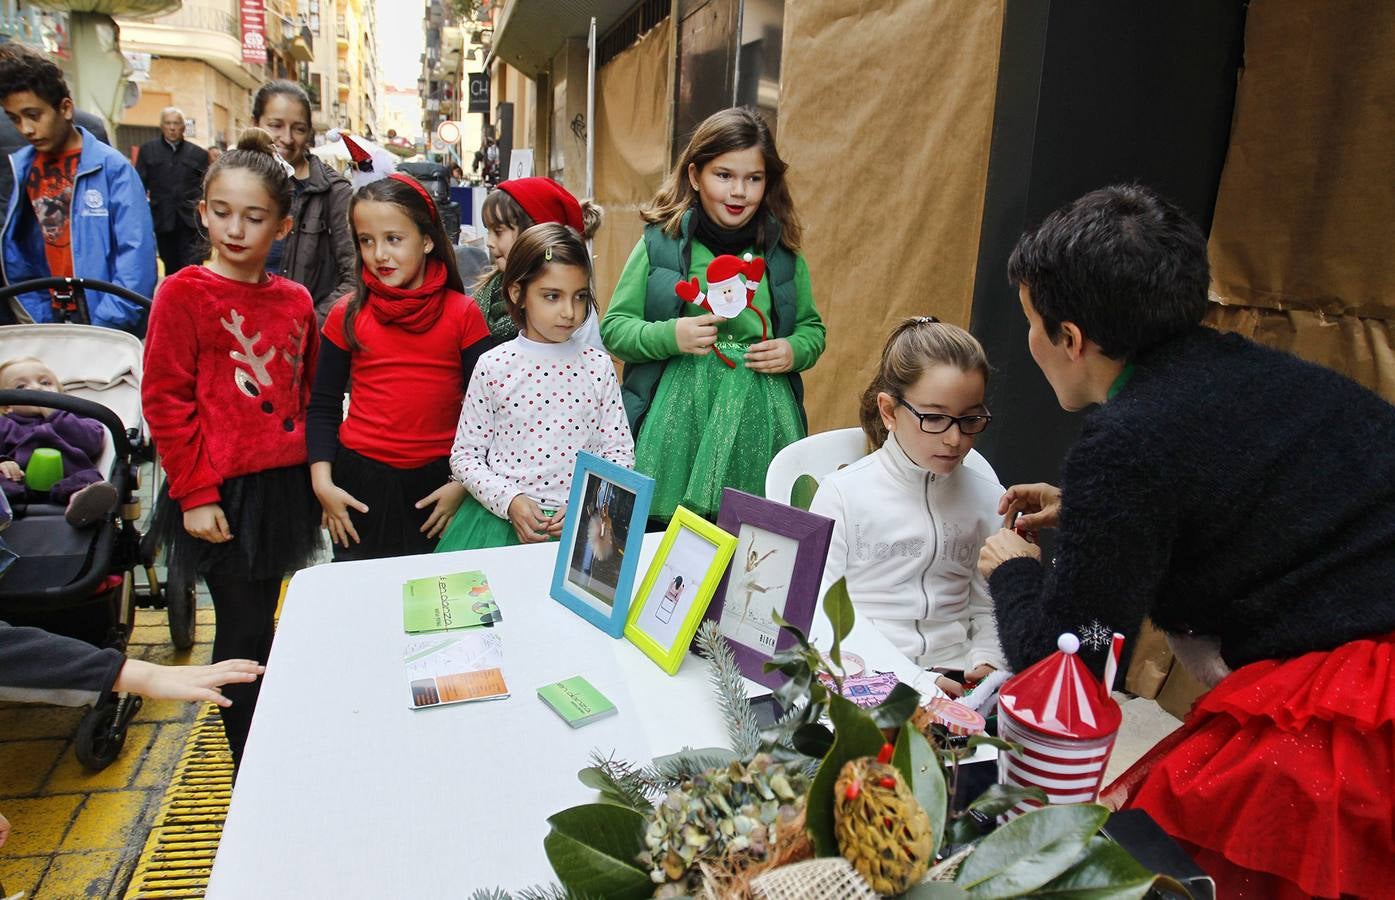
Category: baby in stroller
[85,494]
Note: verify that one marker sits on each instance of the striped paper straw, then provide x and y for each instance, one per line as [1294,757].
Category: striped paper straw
[1111,665]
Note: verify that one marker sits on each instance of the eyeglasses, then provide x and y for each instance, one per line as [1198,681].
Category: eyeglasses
[939,423]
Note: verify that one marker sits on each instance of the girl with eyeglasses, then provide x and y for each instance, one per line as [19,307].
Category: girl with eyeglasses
[910,518]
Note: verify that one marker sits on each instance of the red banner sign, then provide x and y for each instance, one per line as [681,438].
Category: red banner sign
[253,30]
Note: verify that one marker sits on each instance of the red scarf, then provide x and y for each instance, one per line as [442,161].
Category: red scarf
[414,310]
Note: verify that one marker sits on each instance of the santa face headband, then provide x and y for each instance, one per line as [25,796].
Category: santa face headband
[732,282]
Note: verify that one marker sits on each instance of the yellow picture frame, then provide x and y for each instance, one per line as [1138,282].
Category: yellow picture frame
[665,614]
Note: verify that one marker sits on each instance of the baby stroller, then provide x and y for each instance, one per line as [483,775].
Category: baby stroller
[81,582]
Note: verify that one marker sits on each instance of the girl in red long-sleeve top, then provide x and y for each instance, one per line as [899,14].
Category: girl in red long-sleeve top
[228,365]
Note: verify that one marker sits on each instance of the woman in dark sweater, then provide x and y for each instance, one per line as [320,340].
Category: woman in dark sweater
[1245,501]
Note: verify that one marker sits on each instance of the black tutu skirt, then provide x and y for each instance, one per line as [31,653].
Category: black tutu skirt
[392,525]
[274,519]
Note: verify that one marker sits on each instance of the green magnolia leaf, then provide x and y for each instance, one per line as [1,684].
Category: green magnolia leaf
[1030,850]
[591,849]
[1105,872]
[854,735]
[897,707]
[813,740]
[799,637]
[802,494]
[935,890]
[960,831]
[999,798]
[837,605]
[916,759]
[795,689]
[978,740]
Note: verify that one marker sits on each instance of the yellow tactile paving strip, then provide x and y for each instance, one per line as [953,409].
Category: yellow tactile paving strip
[78,833]
[178,854]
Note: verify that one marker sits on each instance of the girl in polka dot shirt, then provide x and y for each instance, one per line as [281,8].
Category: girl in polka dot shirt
[535,401]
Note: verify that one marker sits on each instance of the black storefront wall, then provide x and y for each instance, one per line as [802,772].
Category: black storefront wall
[1090,93]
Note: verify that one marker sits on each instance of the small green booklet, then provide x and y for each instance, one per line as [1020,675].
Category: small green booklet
[447,602]
[576,701]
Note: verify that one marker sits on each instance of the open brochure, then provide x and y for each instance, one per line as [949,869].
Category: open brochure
[455,668]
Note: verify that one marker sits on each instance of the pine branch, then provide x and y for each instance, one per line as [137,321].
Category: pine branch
[490,894]
[622,782]
[676,768]
[547,892]
[730,687]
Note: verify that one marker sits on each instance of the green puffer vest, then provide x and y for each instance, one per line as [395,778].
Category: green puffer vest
[669,260]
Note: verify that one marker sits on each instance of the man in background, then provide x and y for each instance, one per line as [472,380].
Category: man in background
[172,170]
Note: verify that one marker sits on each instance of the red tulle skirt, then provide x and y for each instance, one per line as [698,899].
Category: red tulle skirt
[1282,780]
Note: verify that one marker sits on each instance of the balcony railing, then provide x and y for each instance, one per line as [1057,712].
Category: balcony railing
[204,17]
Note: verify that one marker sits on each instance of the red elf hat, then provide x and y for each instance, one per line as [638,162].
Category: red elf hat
[544,200]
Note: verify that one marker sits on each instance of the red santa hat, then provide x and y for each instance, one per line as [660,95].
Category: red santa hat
[544,200]
[1060,697]
[726,266]
[359,158]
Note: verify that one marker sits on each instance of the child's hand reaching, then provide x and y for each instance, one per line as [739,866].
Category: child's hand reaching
[771,357]
[208,523]
[11,470]
[529,523]
[447,499]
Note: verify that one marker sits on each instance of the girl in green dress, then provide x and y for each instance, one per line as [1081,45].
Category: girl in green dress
[712,398]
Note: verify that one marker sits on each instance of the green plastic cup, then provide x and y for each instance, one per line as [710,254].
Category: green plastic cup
[45,469]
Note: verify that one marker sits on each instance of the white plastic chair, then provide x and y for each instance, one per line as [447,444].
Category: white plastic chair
[822,454]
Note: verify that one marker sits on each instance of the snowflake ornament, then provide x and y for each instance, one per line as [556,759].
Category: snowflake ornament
[1096,635]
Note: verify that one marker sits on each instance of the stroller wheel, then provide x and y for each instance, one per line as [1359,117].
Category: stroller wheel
[100,737]
[180,600]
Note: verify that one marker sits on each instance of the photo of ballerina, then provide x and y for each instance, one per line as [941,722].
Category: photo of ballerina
[602,530]
[757,587]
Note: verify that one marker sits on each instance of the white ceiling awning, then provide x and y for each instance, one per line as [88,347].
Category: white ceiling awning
[530,32]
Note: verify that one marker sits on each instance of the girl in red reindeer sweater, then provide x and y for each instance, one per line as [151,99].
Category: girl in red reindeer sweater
[228,364]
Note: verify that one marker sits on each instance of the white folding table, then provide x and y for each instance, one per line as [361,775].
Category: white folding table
[347,792]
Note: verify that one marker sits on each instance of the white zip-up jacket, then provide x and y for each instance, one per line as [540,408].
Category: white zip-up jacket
[907,540]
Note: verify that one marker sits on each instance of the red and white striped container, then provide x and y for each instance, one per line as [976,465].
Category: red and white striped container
[1065,722]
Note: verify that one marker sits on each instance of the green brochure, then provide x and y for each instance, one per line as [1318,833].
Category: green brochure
[576,701]
[448,602]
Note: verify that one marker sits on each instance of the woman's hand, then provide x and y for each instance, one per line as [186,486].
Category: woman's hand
[11,470]
[207,523]
[1003,546]
[527,519]
[447,498]
[4,830]
[197,683]
[696,334]
[1030,507]
[771,357]
[336,503]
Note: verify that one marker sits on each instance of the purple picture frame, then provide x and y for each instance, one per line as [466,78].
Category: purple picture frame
[813,534]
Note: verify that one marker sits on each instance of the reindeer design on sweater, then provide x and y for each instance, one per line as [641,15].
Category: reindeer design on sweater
[252,379]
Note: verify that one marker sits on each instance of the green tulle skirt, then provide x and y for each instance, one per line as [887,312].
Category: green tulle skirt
[474,528]
[711,427]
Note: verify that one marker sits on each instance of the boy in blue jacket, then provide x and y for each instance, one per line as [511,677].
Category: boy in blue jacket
[77,207]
